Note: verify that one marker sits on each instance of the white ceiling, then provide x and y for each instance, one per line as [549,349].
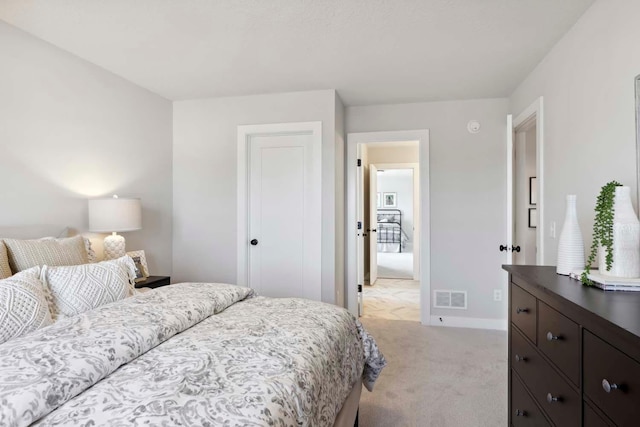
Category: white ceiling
[371,51]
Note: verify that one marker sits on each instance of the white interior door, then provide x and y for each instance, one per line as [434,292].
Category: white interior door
[373,224]
[360,230]
[284,216]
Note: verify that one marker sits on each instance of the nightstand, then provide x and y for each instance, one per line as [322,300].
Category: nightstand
[154,282]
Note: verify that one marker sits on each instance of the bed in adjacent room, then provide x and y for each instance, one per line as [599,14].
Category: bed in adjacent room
[186,354]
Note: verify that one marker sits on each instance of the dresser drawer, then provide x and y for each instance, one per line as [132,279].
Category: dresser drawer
[559,339]
[523,311]
[592,419]
[524,412]
[607,367]
[555,396]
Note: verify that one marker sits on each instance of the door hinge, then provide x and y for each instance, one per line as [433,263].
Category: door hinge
[359,162]
[359,288]
[359,225]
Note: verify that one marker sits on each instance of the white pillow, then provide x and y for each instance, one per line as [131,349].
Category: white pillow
[79,288]
[23,305]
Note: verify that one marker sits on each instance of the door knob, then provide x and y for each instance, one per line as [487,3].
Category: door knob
[254,242]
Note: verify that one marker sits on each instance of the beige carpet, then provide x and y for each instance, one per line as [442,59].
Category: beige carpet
[437,377]
[393,299]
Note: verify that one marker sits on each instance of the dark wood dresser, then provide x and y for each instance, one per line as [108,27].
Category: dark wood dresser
[574,352]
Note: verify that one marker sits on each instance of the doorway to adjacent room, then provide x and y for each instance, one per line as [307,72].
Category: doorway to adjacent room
[389,212]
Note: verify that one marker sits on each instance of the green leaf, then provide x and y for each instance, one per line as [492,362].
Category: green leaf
[602,228]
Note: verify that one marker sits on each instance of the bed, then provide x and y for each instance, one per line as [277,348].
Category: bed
[391,237]
[191,354]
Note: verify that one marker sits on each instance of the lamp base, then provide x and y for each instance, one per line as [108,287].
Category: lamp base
[114,247]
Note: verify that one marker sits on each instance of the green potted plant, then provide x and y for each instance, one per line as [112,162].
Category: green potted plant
[602,229]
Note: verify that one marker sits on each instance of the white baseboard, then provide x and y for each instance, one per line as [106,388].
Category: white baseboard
[469,322]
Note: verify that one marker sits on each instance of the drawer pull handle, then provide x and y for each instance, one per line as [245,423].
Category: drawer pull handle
[607,386]
[551,337]
[551,398]
[520,358]
[520,413]
[521,310]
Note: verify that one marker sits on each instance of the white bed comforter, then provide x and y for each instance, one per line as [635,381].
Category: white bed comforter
[192,354]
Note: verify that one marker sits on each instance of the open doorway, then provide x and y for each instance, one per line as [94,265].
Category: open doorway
[525,185]
[389,206]
[356,230]
[525,194]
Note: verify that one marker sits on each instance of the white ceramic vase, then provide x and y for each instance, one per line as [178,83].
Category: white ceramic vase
[626,239]
[571,245]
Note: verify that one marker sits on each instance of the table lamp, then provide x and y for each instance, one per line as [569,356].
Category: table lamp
[114,215]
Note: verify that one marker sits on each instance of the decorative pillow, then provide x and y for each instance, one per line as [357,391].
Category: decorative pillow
[91,254]
[79,288]
[24,254]
[5,270]
[23,305]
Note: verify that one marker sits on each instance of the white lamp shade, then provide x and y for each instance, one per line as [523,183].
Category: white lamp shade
[114,215]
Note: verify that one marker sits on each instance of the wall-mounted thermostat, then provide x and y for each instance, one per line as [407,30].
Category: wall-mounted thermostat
[473,126]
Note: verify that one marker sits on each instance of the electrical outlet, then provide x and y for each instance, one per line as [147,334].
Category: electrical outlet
[497,295]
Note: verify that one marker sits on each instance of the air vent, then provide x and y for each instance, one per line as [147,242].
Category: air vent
[450,299]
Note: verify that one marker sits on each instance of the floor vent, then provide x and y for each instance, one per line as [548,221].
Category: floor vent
[450,299]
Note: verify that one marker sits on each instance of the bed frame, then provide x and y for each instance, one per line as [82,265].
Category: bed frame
[348,415]
[390,227]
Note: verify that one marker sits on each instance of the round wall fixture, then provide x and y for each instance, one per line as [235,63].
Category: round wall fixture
[473,126]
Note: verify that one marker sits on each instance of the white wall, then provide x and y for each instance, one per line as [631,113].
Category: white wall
[69,131]
[387,154]
[587,81]
[204,185]
[340,196]
[400,181]
[467,174]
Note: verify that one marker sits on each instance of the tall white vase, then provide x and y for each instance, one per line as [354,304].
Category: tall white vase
[571,245]
[626,239]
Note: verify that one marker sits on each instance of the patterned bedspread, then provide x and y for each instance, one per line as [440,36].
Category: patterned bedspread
[192,354]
